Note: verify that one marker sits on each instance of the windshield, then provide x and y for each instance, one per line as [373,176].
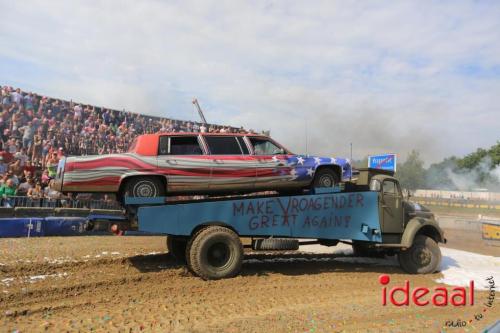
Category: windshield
[263,146]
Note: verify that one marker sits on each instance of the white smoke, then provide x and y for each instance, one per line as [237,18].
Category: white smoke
[484,175]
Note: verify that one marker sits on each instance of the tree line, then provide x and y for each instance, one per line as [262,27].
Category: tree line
[477,170]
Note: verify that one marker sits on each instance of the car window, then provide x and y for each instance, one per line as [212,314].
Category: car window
[243,145]
[389,187]
[180,145]
[223,145]
[265,147]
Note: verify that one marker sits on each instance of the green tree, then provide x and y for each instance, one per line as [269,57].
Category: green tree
[411,173]
[472,160]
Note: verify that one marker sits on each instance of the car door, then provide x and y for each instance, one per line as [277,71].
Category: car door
[392,207]
[272,168]
[183,160]
[233,169]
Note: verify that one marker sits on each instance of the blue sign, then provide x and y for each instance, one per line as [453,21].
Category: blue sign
[332,216]
[384,162]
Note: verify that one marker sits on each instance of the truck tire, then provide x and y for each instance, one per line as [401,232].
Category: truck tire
[176,246]
[147,187]
[423,257]
[277,244]
[215,253]
[325,178]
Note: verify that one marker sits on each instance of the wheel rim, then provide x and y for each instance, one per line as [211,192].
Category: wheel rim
[144,188]
[421,256]
[326,181]
[218,255]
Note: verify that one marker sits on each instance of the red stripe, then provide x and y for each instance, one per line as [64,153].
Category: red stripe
[126,162]
[95,182]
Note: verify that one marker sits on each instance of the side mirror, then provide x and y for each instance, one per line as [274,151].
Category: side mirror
[406,194]
[279,151]
[375,185]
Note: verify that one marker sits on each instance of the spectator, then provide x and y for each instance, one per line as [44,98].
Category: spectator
[3,166]
[16,168]
[8,189]
[36,192]
[24,187]
[28,135]
[22,156]
[29,170]
[52,165]
[36,131]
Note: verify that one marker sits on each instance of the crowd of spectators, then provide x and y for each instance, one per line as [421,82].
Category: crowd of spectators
[36,131]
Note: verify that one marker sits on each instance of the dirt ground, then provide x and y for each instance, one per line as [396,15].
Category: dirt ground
[130,284]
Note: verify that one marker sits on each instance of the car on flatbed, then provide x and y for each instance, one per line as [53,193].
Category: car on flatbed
[165,164]
[371,213]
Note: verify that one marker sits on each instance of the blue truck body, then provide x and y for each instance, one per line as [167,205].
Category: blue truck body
[324,214]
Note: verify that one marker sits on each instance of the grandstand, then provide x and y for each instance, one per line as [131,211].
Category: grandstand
[36,131]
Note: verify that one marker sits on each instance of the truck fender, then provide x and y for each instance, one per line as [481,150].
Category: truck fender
[213,224]
[419,225]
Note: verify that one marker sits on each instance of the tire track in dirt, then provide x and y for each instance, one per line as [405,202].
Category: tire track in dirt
[151,293]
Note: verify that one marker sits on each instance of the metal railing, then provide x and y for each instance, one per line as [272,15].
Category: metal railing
[59,203]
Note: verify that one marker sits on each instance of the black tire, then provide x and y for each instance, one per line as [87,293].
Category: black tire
[146,187]
[176,246]
[325,178]
[423,257]
[215,253]
[278,244]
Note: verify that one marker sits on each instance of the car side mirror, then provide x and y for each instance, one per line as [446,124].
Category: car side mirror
[279,151]
[406,194]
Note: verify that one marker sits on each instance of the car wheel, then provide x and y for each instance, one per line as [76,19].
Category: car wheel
[423,257]
[325,178]
[146,187]
[215,253]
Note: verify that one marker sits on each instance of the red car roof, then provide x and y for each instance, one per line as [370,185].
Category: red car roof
[147,144]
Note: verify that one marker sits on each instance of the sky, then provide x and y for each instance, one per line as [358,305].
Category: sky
[386,76]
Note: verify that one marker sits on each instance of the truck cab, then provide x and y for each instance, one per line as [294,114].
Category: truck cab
[402,221]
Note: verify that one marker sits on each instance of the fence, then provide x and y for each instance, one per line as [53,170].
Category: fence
[460,203]
[59,203]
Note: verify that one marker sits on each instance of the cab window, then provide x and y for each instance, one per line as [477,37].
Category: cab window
[180,145]
[223,145]
[390,188]
[265,147]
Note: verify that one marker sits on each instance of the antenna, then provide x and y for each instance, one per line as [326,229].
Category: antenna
[306,137]
[200,112]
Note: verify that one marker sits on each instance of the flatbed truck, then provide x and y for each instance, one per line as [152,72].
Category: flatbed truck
[370,213]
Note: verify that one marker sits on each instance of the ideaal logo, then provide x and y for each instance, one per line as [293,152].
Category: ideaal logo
[439,296]
[422,296]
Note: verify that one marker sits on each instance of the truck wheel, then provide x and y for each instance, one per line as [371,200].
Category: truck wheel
[215,253]
[176,246]
[145,187]
[423,257]
[276,244]
[325,178]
